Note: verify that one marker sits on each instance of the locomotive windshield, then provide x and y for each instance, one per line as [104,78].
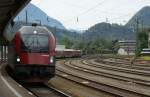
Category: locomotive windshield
[35,43]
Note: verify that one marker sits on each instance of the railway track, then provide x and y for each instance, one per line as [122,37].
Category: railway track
[115,75]
[43,90]
[128,85]
[91,84]
[115,80]
[126,69]
[125,65]
[123,61]
[138,74]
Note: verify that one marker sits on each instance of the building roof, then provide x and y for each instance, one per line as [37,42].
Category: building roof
[146,49]
[8,10]
[126,41]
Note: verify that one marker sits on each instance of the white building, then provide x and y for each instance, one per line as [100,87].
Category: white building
[127,47]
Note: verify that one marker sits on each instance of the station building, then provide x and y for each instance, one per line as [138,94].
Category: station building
[127,47]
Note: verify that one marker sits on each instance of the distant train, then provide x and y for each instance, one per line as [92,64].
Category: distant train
[68,53]
[32,54]
[145,51]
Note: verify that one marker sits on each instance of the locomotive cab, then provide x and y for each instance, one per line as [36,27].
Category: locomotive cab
[34,56]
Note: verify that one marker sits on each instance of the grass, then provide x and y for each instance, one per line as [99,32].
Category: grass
[146,58]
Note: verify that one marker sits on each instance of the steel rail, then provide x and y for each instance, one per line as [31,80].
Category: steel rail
[98,86]
[45,90]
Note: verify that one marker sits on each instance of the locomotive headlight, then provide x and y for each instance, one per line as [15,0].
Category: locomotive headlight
[18,59]
[51,59]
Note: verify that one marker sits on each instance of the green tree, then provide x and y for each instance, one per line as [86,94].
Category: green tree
[66,41]
[141,41]
[114,46]
[79,44]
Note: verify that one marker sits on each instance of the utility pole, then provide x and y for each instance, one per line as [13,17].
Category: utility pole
[107,20]
[47,19]
[77,19]
[55,29]
[26,12]
[18,18]
[142,25]
[137,24]
[19,21]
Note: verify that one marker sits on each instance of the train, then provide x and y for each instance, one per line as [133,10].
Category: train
[31,54]
[145,52]
[68,53]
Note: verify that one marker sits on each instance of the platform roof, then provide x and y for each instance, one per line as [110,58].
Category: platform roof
[8,10]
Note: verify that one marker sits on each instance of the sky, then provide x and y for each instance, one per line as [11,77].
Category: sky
[82,14]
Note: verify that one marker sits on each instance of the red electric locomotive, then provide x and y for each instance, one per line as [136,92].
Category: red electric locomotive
[32,54]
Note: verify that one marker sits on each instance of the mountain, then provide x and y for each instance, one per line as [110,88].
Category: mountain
[34,14]
[58,33]
[64,33]
[108,31]
[100,30]
[75,30]
[143,17]
[115,31]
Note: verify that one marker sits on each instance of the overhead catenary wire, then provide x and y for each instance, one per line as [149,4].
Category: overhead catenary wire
[88,10]
[77,17]
[105,19]
[27,13]
[95,10]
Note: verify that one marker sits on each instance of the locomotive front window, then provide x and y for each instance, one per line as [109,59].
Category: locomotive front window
[35,43]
